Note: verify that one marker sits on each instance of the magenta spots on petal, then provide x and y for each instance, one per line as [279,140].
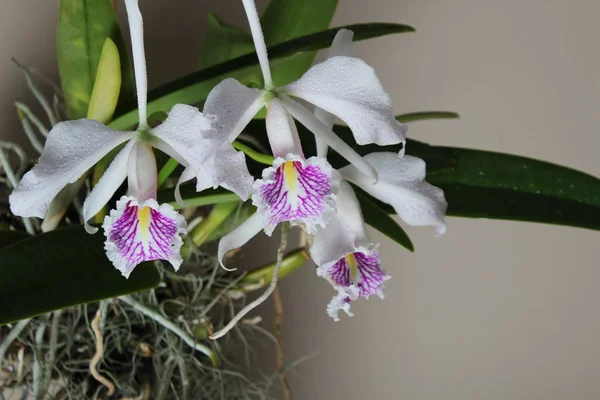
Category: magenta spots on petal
[296,192]
[360,269]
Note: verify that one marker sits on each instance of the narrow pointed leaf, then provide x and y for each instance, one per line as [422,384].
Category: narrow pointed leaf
[194,88]
[485,184]
[425,115]
[222,42]
[284,20]
[60,269]
[83,26]
[379,219]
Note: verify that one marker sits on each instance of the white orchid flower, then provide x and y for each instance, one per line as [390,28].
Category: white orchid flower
[139,229]
[342,251]
[297,189]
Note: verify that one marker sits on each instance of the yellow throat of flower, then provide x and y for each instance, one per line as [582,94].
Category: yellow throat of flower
[290,176]
[144,218]
[353,267]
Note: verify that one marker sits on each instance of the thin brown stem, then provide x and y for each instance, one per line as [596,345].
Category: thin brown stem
[99,352]
[285,387]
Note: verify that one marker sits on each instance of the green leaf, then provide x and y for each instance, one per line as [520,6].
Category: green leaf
[284,20]
[379,219]
[107,85]
[484,184]
[494,185]
[196,199]
[83,26]
[426,115]
[59,269]
[10,237]
[194,88]
[233,221]
[222,42]
[219,213]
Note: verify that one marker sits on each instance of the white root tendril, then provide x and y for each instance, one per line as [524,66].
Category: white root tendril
[265,295]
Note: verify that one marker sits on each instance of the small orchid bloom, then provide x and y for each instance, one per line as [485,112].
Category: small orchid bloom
[344,255]
[342,251]
[139,229]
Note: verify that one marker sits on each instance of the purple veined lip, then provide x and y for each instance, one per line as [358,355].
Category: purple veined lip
[361,269]
[295,190]
[137,233]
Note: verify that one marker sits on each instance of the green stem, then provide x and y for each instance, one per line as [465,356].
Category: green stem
[38,361]
[165,322]
[12,179]
[253,154]
[12,335]
[201,200]
[166,171]
[263,276]
[217,216]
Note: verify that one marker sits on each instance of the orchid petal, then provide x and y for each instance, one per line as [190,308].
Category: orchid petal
[359,274]
[349,210]
[240,235]
[328,120]
[281,129]
[232,105]
[185,127]
[313,124]
[187,175]
[332,243]
[344,231]
[401,184]
[353,93]
[259,40]
[143,232]
[142,172]
[71,149]
[227,169]
[340,47]
[341,302]
[296,190]
[136,30]
[361,269]
[341,44]
[106,187]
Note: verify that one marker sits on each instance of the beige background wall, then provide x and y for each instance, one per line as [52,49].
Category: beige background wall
[492,310]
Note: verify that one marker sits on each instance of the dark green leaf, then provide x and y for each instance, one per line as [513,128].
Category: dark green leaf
[60,269]
[425,115]
[9,237]
[284,20]
[193,88]
[379,219]
[483,184]
[222,42]
[83,25]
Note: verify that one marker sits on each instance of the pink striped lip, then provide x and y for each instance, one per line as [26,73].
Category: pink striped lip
[295,190]
[137,233]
